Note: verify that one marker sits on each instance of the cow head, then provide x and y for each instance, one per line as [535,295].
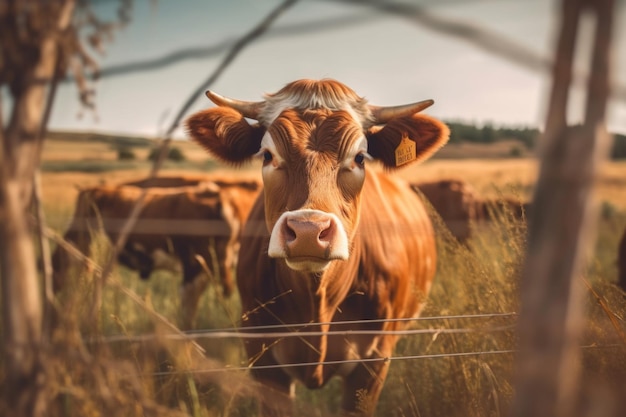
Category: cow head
[314,138]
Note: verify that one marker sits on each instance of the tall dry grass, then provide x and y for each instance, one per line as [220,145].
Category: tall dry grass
[91,376]
[100,368]
[473,279]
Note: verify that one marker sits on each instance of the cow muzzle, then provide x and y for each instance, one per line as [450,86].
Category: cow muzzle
[308,240]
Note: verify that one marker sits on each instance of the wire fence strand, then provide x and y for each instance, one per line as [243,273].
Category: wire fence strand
[271,335]
[359,361]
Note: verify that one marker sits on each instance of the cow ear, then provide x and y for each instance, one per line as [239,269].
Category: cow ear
[406,139]
[225,133]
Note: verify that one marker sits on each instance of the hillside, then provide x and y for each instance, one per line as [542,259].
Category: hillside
[93,152]
[86,146]
[467,141]
[112,139]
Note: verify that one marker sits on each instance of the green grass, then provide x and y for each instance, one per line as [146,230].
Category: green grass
[159,377]
[109,139]
[478,278]
[99,166]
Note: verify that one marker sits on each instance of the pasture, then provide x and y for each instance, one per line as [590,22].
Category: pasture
[458,361]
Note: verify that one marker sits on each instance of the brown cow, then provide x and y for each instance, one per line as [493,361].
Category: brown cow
[621,262]
[327,242]
[185,221]
[461,207]
[456,202]
[221,180]
[243,192]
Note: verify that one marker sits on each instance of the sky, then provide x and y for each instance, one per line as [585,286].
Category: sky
[389,58]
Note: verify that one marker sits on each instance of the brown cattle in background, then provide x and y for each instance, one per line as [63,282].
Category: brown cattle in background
[221,180]
[243,192]
[456,202]
[203,220]
[461,208]
[325,243]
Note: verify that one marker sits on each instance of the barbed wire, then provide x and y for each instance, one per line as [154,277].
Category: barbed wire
[252,332]
[358,361]
[352,322]
[146,226]
[283,335]
[329,363]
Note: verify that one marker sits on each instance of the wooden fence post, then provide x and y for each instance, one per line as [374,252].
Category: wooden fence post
[28,69]
[562,226]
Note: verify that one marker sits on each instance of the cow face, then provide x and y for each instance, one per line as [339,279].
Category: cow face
[314,139]
[313,171]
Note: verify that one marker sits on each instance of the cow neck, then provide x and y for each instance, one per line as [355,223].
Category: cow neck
[315,298]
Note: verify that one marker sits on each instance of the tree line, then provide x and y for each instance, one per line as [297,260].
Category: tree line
[488,133]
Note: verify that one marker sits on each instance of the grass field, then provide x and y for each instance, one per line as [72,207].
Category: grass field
[483,166]
[428,375]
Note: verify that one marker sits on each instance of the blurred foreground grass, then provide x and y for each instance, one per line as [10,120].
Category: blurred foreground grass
[92,376]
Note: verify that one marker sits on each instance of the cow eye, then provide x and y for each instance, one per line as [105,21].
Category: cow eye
[267,157]
[359,159]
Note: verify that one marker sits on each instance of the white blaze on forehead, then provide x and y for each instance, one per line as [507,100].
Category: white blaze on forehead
[275,105]
[267,143]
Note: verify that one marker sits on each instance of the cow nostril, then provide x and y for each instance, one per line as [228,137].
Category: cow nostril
[307,231]
[289,233]
[326,234]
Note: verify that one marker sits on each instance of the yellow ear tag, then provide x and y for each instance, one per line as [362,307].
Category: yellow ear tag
[405,152]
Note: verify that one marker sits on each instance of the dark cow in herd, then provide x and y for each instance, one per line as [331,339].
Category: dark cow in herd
[202,219]
[326,241]
[461,208]
[455,202]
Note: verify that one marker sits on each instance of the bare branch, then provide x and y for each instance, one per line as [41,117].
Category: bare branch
[498,44]
[134,214]
[236,49]
[204,52]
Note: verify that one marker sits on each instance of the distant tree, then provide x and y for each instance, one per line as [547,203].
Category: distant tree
[40,42]
[125,153]
[488,134]
[174,154]
[464,132]
[527,136]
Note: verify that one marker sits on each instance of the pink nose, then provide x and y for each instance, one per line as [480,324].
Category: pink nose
[309,237]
